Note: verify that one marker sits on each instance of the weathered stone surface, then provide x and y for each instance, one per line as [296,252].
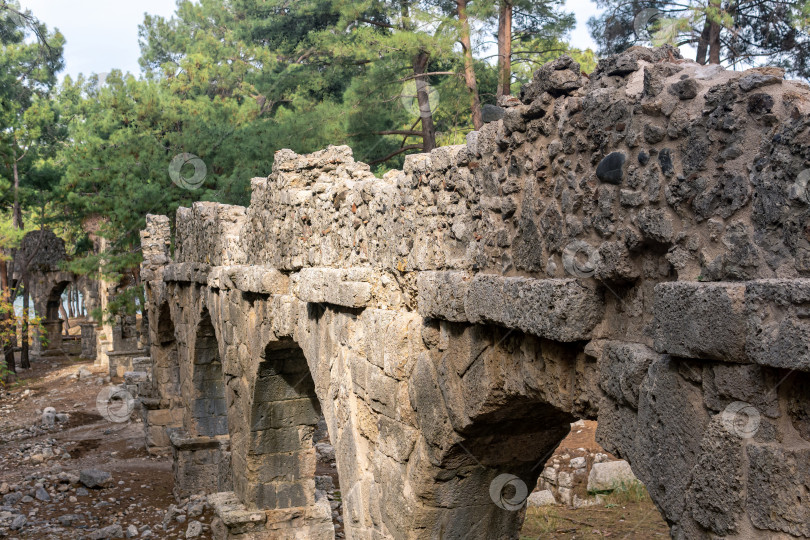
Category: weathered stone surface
[350,288]
[562,310]
[684,89]
[491,113]
[610,475]
[541,498]
[716,495]
[664,454]
[777,489]
[562,76]
[444,324]
[758,78]
[442,294]
[94,478]
[687,322]
[193,272]
[763,321]
[622,369]
[257,279]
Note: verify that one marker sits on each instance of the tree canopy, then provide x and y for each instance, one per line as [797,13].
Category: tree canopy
[738,33]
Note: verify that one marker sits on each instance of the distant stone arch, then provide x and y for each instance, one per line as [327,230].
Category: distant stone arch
[48,289]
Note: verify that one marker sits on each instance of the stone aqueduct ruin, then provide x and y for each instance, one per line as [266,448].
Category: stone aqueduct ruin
[630,248]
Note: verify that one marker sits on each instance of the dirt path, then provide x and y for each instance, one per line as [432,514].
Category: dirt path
[42,494]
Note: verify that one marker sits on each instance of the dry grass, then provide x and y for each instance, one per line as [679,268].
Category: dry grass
[627,513]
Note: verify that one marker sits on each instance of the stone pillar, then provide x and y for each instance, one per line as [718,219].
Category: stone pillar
[200,464]
[53,332]
[88,340]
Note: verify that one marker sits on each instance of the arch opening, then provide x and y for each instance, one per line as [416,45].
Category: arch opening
[282,469]
[167,365]
[209,409]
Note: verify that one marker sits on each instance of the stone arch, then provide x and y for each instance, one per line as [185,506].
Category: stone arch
[208,406]
[47,289]
[166,370]
[284,422]
[54,299]
[492,406]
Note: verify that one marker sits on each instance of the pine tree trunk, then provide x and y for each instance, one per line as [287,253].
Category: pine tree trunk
[8,350]
[703,44]
[428,130]
[71,313]
[469,67]
[504,49]
[63,313]
[16,219]
[714,33]
[714,43]
[24,360]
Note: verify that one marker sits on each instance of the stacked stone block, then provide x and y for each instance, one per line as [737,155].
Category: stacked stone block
[627,248]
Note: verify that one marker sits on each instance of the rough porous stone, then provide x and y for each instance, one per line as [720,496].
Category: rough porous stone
[627,247]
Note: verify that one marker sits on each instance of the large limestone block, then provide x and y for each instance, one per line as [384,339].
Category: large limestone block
[348,288]
[670,426]
[442,294]
[715,496]
[779,323]
[761,321]
[541,498]
[188,272]
[701,320]
[610,475]
[558,309]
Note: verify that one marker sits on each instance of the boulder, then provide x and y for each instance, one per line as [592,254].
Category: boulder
[610,475]
[541,498]
[94,478]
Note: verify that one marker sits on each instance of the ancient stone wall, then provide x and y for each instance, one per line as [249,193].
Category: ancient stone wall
[629,247]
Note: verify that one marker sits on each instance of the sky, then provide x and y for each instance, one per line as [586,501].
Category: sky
[103,34]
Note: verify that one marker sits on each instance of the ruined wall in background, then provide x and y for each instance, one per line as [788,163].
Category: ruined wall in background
[630,247]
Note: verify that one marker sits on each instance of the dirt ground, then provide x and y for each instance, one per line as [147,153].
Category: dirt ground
[32,456]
